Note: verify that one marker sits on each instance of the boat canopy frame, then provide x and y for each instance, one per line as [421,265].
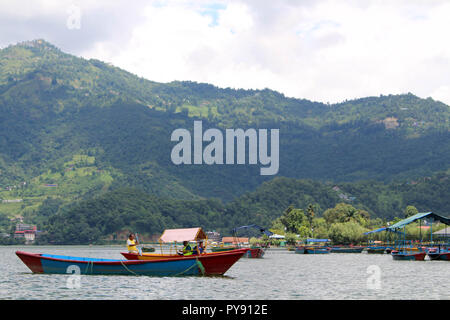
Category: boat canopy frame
[421,215]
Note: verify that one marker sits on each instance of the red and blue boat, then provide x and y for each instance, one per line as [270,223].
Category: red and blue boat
[175,266]
[439,254]
[408,255]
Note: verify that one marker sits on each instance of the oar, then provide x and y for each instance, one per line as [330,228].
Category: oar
[139,248]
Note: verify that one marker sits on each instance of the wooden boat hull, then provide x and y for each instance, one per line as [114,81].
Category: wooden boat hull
[376,250]
[347,249]
[444,256]
[58,264]
[419,256]
[439,255]
[310,250]
[216,263]
[300,250]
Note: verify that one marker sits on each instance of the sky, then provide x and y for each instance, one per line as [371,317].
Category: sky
[323,50]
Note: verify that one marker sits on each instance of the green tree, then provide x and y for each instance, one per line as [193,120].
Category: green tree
[292,219]
[410,211]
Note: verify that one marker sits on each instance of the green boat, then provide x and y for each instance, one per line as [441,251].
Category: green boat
[220,249]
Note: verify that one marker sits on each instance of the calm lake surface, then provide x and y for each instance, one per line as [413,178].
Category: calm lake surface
[280,275]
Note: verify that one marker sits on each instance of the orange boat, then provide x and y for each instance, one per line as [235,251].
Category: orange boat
[213,262]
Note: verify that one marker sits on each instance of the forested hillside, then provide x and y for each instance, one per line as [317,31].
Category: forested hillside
[130,209]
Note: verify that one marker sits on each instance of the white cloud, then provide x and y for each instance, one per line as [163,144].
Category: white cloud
[320,50]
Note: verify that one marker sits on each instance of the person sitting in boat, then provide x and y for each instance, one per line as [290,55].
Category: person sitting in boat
[187,250]
[132,243]
[198,249]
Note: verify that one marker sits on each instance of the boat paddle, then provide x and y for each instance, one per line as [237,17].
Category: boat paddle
[139,248]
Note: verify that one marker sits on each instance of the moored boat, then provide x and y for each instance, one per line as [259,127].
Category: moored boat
[317,250]
[408,255]
[221,249]
[60,264]
[351,249]
[376,250]
[300,250]
[438,254]
[216,263]
[255,253]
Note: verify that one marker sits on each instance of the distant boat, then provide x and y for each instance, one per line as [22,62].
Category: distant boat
[439,254]
[405,255]
[300,250]
[376,249]
[351,249]
[255,253]
[313,246]
[317,250]
[221,249]
[181,266]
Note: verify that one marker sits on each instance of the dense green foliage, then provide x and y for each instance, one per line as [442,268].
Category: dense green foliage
[283,204]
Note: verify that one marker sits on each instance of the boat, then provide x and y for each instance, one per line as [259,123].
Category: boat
[408,255]
[220,249]
[255,252]
[173,237]
[376,249]
[317,250]
[438,254]
[311,246]
[300,250]
[60,264]
[216,263]
[350,249]
[213,262]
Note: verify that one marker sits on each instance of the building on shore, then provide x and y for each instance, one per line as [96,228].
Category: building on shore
[213,236]
[27,231]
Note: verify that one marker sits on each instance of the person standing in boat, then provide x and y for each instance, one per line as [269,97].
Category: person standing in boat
[132,243]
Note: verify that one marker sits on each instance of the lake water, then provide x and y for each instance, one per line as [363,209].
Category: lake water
[280,275]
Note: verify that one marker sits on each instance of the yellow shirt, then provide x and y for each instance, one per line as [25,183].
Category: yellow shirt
[131,245]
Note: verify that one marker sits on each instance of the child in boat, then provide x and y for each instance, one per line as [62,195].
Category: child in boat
[131,244]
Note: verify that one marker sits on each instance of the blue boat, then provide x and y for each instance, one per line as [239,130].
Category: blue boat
[337,249]
[316,246]
[317,250]
[58,264]
[300,250]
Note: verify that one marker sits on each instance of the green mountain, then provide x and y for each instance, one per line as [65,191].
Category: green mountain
[72,129]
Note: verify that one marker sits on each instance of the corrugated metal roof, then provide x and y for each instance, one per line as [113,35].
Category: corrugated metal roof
[418,216]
